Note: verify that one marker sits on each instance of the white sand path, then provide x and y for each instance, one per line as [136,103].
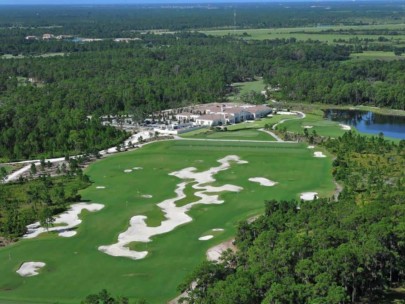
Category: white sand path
[263,181]
[29,269]
[308,196]
[139,231]
[68,220]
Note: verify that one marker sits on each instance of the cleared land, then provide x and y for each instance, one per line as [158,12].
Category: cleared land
[376,55]
[329,34]
[246,87]
[173,255]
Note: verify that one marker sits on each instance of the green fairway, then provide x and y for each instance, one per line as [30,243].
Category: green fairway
[314,122]
[74,266]
[246,134]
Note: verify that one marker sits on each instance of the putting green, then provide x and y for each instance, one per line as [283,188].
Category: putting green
[74,266]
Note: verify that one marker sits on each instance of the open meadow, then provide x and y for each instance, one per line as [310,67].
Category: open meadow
[75,267]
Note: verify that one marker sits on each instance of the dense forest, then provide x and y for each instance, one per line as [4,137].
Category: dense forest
[48,115]
[323,251]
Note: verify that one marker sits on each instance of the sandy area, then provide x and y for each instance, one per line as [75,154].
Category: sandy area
[100,187]
[138,230]
[345,127]
[147,196]
[311,147]
[137,168]
[205,237]
[128,170]
[217,229]
[214,253]
[64,222]
[29,269]
[263,181]
[286,113]
[307,127]
[319,154]
[308,196]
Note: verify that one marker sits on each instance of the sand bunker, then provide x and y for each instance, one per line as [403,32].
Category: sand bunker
[214,253]
[308,196]
[307,127]
[345,127]
[138,230]
[137,168]
[319,154]
[262,181]
[147,196]
[217,229]
[128,170]
[100,187]
[205,237]
[311,147]
[68,219]
[29,269]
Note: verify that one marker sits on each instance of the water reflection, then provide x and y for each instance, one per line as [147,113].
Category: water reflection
[369,122]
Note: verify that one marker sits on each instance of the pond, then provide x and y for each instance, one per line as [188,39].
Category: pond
[369,122]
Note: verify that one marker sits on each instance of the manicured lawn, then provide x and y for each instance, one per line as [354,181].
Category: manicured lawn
[315,120]
[74,266]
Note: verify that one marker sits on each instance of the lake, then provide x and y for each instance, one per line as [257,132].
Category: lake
[369,122]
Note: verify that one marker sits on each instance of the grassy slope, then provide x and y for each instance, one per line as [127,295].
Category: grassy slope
[75,268]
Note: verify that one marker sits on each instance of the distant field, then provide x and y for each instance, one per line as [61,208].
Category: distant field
[75,268]
[314,33]
[376,55]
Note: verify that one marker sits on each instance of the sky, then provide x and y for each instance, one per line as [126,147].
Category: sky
[78,2]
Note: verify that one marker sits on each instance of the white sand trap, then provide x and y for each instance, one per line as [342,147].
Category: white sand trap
[138,231]
[307,127]
[263,181]
[128,170]
[68,233]
[217,229]
[345,127]
[100,187]
[319,154]
[69,219]
[147,196]
[311,147]
[29,269]
[137,168]
[205,237]
[286,113]
[308,196]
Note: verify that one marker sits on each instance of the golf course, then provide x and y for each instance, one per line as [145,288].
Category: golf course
[131,185]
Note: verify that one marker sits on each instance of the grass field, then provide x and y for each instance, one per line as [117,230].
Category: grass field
[376,55]
[74,266]
[241,131]
[314,33]
[314,119]
[246,87]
